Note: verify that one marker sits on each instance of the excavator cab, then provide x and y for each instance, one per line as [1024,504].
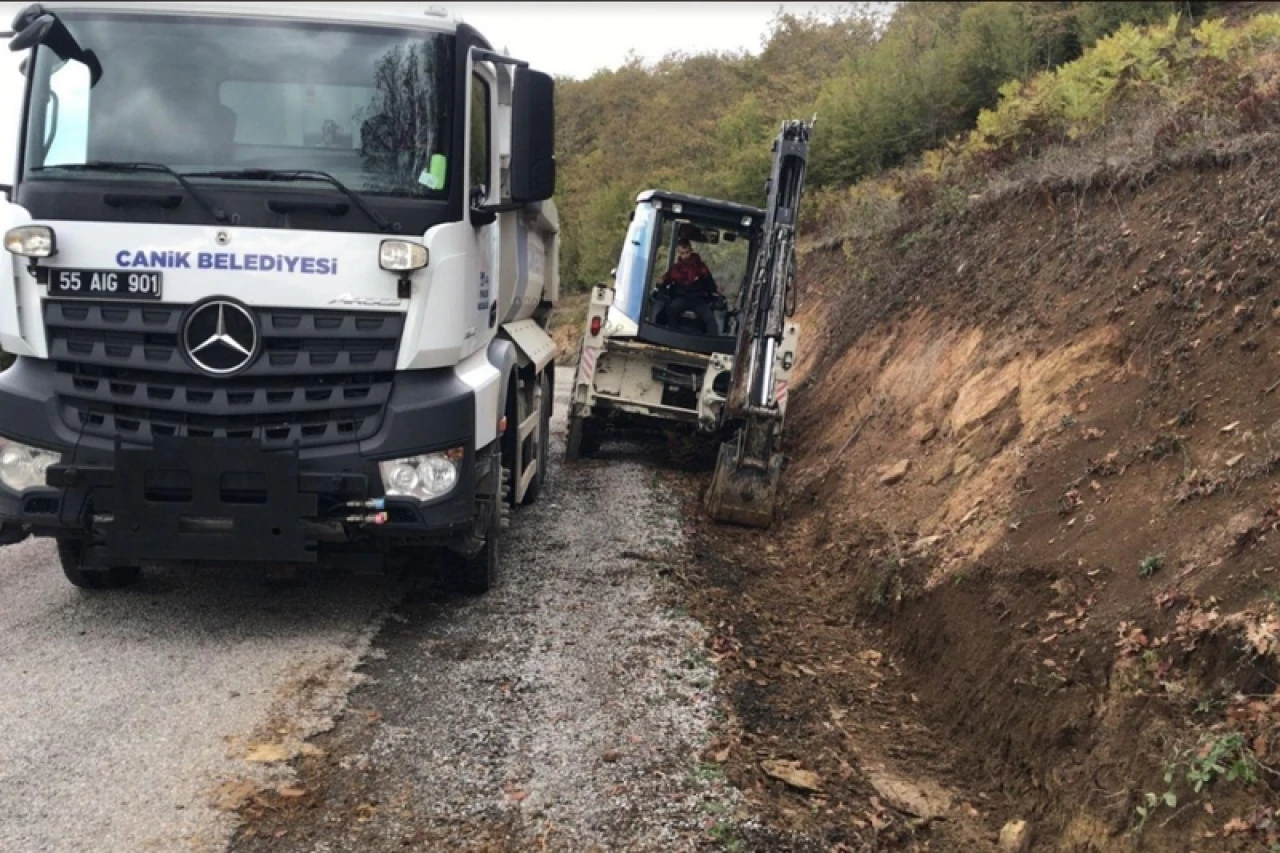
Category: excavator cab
[695,331]
[690,304]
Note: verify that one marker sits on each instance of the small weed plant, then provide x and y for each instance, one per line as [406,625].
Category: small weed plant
[1150,564]
[1216,758]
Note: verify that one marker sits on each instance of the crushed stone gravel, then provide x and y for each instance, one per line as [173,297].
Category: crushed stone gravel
[565,710]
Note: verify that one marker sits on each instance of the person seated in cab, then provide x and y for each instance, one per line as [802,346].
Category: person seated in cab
[689,286]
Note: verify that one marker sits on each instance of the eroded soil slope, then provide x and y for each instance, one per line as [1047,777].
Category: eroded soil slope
[1028,555]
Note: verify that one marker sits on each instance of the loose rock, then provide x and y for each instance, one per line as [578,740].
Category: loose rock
[922,800]
[895,473]
[1015,837]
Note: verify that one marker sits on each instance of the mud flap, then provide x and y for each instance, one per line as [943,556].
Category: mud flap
[743,492]
[11,533]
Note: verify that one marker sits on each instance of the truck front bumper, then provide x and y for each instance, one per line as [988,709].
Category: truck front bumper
[219,500]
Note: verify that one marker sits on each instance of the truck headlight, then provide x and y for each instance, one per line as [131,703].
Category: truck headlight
[23,467]
[31,241]
[425,477]
[402,256]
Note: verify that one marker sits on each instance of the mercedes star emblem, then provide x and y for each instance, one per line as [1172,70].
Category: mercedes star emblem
[220,337]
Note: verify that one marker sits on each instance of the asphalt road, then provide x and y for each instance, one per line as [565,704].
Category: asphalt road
[134,720]
[122,712]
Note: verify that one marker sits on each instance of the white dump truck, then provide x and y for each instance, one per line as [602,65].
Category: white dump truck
[278,288]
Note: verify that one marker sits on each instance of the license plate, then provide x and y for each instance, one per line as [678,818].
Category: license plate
[105,284]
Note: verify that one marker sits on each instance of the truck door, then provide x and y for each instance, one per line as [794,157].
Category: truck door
[13,87]
[482,180]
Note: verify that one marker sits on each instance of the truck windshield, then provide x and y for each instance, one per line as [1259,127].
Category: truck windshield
[370,106]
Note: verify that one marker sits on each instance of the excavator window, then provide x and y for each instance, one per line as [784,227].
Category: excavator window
[702,298]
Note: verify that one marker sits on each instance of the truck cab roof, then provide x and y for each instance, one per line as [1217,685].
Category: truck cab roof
[703,206]
[412,16]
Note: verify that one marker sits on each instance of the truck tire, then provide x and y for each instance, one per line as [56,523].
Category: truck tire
[478,573]
[583,439]
[71,555]
[543,442]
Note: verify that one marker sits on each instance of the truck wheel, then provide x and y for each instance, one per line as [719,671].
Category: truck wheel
[573,441]
[477,574]
[584,438]
[71,555]
[543,442]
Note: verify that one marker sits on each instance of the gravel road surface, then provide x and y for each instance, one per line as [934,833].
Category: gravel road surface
[564,710]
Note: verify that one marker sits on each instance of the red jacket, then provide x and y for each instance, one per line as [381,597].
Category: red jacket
[685,273]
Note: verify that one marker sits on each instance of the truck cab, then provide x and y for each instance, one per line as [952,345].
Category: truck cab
[279,283]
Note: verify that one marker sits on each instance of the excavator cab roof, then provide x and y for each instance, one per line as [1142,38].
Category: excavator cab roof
[706,208]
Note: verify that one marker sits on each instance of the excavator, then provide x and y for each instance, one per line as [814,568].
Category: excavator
[694,332]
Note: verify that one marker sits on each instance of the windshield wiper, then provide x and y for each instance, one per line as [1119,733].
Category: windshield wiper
[300,175]
[218,214]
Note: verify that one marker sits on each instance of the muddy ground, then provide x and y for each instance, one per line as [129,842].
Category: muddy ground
[568,709]
[1028,548]
[1023,580]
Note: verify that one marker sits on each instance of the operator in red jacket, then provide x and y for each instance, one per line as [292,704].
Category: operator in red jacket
[690,287]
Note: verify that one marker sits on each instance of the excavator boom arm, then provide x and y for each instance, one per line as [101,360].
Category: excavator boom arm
[770,297]
[744,487]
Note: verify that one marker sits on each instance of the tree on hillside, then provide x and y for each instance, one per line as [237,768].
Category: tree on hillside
[884,92]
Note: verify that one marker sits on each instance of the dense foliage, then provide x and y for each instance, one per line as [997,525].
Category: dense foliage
[1137,94]
[884,92]
[929,100]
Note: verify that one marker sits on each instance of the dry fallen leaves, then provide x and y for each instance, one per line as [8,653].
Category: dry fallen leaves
[264,753]
[1264,634]
[229,796]
[791,773]
[1235,826]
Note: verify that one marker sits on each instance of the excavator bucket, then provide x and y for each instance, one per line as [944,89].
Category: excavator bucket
[742,492]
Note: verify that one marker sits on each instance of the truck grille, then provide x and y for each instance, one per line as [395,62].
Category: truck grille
[322,377]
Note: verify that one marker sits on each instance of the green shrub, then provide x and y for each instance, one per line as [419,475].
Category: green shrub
[959,87]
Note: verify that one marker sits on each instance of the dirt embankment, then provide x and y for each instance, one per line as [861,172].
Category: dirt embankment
[1028,557]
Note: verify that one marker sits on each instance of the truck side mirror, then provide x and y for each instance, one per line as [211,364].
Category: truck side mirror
[533,137]
[36,31]
[34,26]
